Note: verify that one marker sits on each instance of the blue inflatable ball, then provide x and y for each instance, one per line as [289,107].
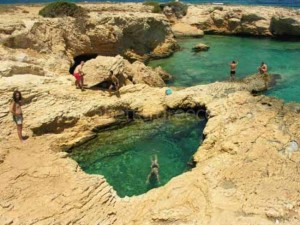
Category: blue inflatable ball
[168,91]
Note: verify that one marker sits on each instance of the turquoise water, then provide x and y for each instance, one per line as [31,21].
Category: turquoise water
[288,3]
[282,57]
[123,155]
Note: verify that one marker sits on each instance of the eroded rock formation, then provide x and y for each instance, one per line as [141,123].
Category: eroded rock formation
[241,166]
[254,20]
[104,33]
[97,71]
[186,30]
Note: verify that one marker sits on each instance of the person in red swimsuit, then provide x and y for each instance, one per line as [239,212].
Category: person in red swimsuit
[78,74]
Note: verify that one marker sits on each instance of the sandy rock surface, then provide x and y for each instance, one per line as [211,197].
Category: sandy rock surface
[186,30]
[257,135]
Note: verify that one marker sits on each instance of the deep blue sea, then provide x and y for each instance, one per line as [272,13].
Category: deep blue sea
[286,3]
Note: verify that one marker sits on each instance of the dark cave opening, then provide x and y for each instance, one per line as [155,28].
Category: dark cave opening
[79,58]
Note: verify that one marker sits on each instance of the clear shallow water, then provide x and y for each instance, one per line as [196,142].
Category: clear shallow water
[282,57]
[123,155]
[287,3]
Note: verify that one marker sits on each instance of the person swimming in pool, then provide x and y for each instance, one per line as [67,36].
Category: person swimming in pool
[154,173]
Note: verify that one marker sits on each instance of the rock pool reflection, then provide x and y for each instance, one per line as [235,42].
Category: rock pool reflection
[123,155]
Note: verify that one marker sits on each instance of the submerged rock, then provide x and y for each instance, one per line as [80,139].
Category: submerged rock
[200,47]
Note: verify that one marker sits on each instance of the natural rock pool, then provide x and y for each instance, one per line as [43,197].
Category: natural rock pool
[123,155]
[282,57]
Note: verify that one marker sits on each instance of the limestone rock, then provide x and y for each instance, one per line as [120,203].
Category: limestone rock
[285,25]
[142,74]
[262,27]
[163,74]
[218,17]
[174,9]
[165,49]
[133,56]
[233,23]
[200,47]
[251,17]
[168,11]
[105,34]
[10,68]
[186,30]
[255,20]
[97,71]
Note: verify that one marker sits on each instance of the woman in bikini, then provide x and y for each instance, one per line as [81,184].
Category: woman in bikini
[15,109]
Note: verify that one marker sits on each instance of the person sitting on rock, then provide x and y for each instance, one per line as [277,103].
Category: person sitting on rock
[263,69]
[78,74]
[114,82]
[154,173]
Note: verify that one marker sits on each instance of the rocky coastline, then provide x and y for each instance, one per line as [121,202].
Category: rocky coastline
[246,170]
[259,21]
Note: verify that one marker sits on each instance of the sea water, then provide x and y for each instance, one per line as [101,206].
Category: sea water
[281,56]
[123,155]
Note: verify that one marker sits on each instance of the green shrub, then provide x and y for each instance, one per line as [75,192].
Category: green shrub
[60,9]
[156,6]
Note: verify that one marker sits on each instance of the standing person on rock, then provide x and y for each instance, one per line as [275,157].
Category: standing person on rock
[263,70]
[78,74]
[233,66]
[15,109]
